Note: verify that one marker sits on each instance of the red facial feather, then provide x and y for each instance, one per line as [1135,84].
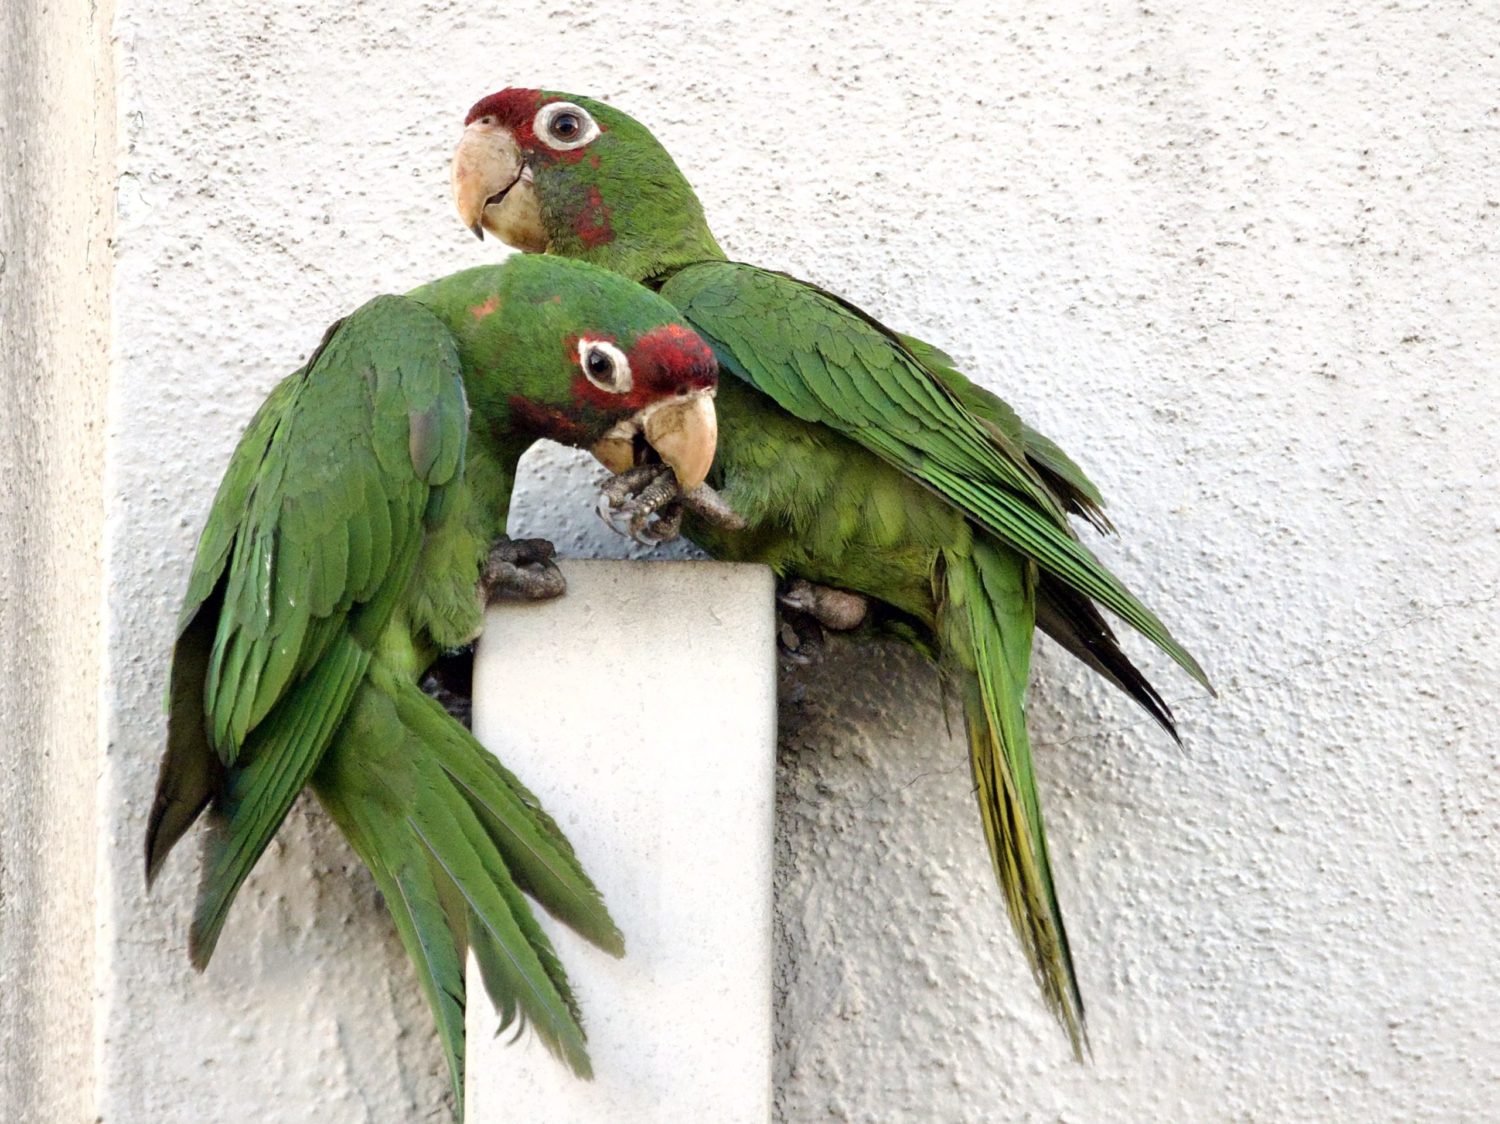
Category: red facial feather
[592,222]
[672,359]
[666,361]
[514,108]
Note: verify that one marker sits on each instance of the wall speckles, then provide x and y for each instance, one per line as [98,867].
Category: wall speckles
[1236,259]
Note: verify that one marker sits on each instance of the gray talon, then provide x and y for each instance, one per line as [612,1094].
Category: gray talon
[642,502]
[838,610]
[520,570]
[647,504]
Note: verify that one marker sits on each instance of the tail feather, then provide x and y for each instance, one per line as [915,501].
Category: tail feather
[474,866]
[538,855]
[414,899]
[414,792]
[989,613]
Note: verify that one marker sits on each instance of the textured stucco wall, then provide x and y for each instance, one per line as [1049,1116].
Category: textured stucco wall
[1238,258]
[57,131]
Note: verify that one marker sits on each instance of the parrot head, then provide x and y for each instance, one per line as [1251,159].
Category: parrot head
[551,172]
[571,352]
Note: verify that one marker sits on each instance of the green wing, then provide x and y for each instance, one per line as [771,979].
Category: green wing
[825,361]
[307,552]
[1058,471]
[1063,613]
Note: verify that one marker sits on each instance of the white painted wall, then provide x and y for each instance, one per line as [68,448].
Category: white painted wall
[57,153]
[1238,258]
[673,818]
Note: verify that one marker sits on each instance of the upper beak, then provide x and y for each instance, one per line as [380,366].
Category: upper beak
[486,164]
[683,431]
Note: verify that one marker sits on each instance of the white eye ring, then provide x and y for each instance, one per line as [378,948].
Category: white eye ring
[541,125]
[604,365]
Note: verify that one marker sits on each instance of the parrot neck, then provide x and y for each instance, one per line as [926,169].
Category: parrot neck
[641,238]
[646,258]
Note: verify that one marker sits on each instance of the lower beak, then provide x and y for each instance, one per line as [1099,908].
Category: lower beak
[486,164]
[682,431]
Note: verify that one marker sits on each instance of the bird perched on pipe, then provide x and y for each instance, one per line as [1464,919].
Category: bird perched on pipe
[877,480]
[357,535]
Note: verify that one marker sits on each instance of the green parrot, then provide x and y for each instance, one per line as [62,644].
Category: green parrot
[356,537]
[881,484]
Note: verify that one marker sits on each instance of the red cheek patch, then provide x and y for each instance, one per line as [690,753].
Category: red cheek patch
[591,224]
[545,421]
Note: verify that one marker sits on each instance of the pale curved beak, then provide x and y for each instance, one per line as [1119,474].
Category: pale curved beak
[486,165]
[683,431]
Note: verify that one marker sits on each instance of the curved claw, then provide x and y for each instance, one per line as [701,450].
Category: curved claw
[642,503]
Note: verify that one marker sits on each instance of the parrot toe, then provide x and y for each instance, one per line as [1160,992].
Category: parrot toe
[643,503]
[713,509]
[838,610]
[520,570]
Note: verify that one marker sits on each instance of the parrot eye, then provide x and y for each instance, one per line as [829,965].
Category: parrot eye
[604,365]
[565,126]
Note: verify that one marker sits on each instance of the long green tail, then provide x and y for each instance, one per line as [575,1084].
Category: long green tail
[989,613]
[453,840]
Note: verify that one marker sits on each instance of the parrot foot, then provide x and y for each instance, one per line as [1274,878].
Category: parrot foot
[520,570]
[650,501]
[837,610]
[712,508]
[807,610]
[644,499]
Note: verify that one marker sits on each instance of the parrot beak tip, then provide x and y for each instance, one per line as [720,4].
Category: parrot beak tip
[682,431]
[478,229]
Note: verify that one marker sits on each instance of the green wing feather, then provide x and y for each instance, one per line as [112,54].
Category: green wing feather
[305,557]
[1063,613]
[827,362]
[1058,471]
[190,770]
[377,421]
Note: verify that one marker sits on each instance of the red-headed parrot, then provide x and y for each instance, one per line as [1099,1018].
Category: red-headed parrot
[862,467]
[357,535]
